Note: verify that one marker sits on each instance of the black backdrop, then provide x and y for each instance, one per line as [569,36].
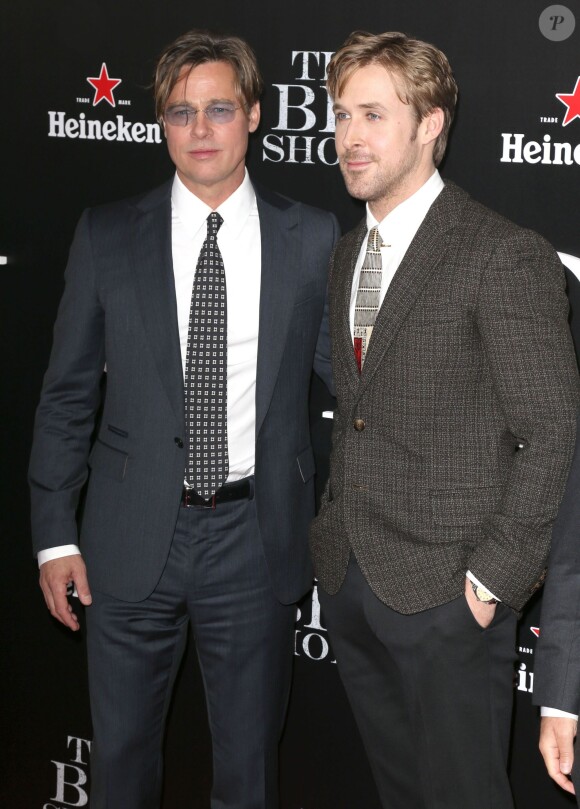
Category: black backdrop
[509,73]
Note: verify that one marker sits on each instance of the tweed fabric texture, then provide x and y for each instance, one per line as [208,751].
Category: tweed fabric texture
[468,401]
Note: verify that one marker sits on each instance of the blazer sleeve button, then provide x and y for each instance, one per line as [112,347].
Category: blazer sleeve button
[179,442]
[359,425]
[540,581]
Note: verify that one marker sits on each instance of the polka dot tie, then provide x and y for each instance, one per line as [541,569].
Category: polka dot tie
[206,370]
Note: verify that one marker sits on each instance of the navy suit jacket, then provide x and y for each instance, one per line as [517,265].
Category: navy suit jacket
[119,311]
[557,657]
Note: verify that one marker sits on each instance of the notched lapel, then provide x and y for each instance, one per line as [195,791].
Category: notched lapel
[155,286]
[418,265]
[344,265]
[280,243]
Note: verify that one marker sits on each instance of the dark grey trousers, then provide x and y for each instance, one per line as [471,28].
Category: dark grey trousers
[216,579]
[432,696]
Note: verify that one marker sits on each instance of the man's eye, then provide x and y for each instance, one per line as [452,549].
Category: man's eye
[181,112]
[373,116]
[220,110]
[341,116]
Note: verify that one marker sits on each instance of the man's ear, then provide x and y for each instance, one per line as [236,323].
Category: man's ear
[254,117]
[432,124]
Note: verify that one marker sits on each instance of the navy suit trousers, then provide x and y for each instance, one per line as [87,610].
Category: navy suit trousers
[215,579]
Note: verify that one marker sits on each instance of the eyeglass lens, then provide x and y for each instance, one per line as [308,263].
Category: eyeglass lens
[183,115]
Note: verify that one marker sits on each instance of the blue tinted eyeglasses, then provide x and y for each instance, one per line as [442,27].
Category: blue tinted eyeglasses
[182,115]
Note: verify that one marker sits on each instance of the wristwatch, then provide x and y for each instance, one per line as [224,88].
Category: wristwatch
[482,594]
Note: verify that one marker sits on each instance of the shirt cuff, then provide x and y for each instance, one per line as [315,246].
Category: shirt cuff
[472,578]
[56,553]
[556,712]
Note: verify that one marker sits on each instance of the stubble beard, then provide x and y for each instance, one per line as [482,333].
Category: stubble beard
[383,185]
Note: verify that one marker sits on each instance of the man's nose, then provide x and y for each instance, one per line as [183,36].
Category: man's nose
[200,126]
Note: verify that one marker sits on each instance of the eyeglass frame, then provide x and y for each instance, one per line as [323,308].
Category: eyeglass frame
[191,113]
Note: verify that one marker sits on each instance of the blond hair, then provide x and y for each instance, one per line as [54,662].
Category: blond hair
[421,72]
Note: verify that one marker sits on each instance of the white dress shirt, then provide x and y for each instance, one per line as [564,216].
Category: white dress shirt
[239,242]
[555,712]
[397,231]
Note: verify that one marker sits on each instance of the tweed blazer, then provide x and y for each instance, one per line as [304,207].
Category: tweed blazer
[451,449]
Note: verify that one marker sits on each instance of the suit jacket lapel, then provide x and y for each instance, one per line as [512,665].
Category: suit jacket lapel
[155,288]
[279,278]
[419,263]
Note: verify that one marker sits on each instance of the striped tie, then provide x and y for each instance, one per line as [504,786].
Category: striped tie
[367,297]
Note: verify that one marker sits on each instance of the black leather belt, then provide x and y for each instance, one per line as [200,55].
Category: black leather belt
[238,490]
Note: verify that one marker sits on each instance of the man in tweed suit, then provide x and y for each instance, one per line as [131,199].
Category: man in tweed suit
[452,438]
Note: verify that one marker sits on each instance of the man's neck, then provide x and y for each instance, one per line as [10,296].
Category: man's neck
[380,208]
[216,194]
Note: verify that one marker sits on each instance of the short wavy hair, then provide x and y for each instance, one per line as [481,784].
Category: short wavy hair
[198,47]
[422,73]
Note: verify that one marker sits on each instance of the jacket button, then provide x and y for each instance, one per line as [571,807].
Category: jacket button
[179,442]
[359,425]
[541,579]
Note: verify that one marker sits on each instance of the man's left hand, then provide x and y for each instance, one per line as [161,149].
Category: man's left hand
[557,734]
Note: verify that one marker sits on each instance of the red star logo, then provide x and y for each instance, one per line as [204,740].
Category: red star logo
[104,87]
[572,101]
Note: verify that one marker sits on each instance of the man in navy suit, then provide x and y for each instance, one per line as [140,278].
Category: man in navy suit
[157,554]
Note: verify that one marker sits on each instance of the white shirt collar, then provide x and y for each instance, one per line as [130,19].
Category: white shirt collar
[406,218]
[234,211]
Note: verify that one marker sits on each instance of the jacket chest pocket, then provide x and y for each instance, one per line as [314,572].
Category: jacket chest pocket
[108,460]
[306,464]
[463,506]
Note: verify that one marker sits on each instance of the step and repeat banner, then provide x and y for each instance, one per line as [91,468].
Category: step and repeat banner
[79,129]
